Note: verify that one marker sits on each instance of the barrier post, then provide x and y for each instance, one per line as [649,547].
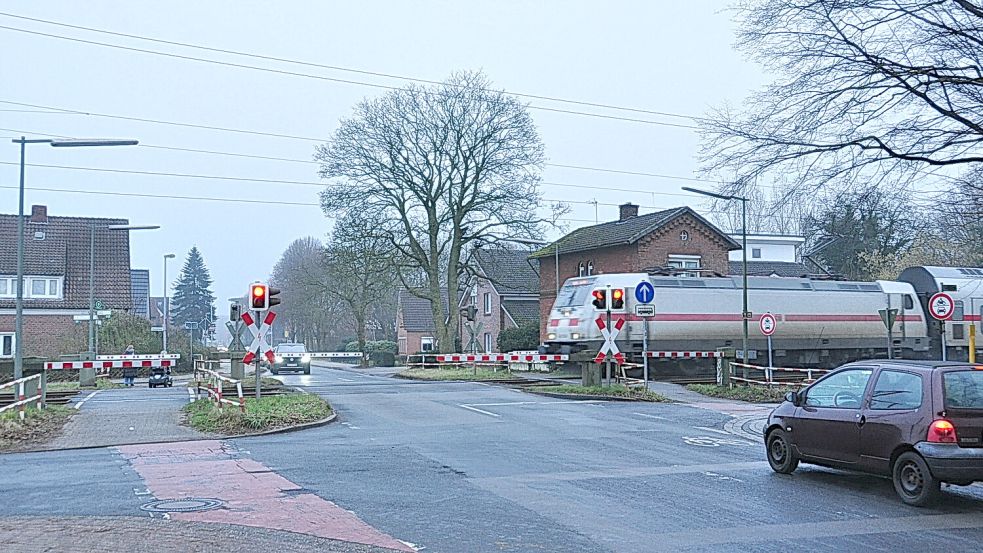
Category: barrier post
[21,397]
[723,365]
[42,401]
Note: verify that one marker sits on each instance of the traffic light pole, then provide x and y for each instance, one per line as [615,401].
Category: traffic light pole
[259,355]
[607,360]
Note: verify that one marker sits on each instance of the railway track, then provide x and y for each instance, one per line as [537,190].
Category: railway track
[61,397]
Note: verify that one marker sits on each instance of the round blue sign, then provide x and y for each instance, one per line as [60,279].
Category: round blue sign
[644,292]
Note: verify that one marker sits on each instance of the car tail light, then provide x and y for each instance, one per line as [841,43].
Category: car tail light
[942,432]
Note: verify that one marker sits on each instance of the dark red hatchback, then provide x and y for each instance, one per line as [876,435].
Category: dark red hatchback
[920,422]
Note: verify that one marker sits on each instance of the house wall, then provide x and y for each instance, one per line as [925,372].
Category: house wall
[771,249]
[44,335]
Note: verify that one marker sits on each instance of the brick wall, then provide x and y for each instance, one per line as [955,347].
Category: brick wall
[491,323]
[44,335]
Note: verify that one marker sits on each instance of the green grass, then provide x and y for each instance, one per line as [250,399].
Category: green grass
[454,373]
[69,385]
[753,394]
[263,414]
[617,390]
[36,426]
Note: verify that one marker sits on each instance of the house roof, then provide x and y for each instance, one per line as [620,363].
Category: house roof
[628,231]
[61,247]
[417,314]
[769,268]
[522,311]
[508,270]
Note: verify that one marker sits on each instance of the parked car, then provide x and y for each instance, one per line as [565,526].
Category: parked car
[919,422]
[291,357]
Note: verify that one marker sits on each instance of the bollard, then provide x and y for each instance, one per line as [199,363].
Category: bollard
[723,365]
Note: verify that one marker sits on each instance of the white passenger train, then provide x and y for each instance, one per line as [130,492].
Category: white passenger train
[820,323]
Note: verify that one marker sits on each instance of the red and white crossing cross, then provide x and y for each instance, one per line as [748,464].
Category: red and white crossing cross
[609,335]
[259,337]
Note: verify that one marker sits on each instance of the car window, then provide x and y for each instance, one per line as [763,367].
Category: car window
[842,390]
[963,389]
[896,390]
[291,348]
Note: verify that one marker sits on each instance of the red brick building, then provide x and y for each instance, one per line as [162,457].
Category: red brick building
[677,240]
[415,329]
[504,293]
[56,277]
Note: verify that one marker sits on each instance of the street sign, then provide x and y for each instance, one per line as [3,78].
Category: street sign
[156,329]
[98,305]
[609,346]
[474,330]
[748,315]
[191,325]
[644,292]
[768,324]
[645,310]
[888,317]
[941,306]
[259,343]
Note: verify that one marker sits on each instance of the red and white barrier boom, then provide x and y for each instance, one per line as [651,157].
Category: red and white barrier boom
[499,358]
[116,362]
[683,354]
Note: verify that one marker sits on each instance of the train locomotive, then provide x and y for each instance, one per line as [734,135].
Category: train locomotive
[819,323]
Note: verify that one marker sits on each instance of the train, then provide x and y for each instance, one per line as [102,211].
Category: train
[819,323]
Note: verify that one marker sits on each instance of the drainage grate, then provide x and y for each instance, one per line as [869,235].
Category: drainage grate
[188,505]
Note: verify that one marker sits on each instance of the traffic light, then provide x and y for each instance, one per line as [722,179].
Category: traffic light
[274,292]
[235,312]
[259,296]
[600,298]
[618,298]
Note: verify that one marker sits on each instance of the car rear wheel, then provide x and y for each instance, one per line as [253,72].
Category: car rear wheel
[781,457]
[307,370]
[914,481]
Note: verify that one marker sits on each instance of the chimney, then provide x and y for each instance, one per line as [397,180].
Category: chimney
[39,214]
[628,211]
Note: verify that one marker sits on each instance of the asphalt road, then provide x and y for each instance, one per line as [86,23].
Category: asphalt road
[458,467]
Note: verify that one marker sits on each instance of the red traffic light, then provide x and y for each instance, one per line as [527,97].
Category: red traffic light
[618,298]
[600,298]
[259,297]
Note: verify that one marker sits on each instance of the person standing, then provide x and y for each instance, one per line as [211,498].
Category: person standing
[129,373]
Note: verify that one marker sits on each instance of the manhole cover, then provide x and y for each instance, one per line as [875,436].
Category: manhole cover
[188,505]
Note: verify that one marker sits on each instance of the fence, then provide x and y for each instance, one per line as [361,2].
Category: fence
[768,374]
[18,388]
[214,384]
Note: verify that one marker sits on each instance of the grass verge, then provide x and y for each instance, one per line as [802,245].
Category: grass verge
[267,413]
[454,373]
[617,391]
[36,426]
[70,385]
[753,394]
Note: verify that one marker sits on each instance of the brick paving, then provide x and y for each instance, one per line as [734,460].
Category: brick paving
[114,534]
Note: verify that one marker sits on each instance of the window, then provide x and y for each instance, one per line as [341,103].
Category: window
[488,303]
[683,236]
[34,287]
[590,268]
[427,344]
[684,262]
[963,389]
[6,345]
[958,332]
[582,270]
[896,390]
[909,303]
[756,253]
[958,310]
[843,390]
[488,342]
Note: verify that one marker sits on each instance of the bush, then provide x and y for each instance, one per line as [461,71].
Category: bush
[523,338]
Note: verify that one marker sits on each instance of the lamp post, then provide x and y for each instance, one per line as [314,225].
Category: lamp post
[19,302]
[167,301]
[744,313]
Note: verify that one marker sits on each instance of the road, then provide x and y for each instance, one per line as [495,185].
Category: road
[472,467]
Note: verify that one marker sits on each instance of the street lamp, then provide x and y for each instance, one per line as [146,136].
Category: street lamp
[744,314]
[92,276]
[167,301]
[19,306]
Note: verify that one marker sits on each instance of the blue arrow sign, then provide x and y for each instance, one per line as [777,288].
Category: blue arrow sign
[644,292]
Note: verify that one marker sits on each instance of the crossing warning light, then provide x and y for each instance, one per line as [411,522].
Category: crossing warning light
[618,298]
[600,298]
[259,296]
[273,293]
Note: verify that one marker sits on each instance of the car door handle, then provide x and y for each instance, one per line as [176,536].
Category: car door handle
[861,419]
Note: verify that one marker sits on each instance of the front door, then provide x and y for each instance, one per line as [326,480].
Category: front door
[827,425]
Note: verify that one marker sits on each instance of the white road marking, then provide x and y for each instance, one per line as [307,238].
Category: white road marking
[345,379]
[650,416]
[505,403]
[717,430]
[482,411]
[86,398]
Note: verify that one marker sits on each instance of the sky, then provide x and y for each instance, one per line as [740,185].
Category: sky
[666,56]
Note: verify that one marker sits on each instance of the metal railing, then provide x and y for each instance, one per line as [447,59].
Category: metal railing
[214,384]
[18,387]
[768,374]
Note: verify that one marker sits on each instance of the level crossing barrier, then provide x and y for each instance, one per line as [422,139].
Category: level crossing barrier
[116,362]
[768,374]
[214,384]
[18,387]
[683,354]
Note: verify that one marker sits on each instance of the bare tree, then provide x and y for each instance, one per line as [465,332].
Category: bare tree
[445,166]
[868,92]
[309,314]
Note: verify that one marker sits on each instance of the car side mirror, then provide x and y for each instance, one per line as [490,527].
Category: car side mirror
[793,398]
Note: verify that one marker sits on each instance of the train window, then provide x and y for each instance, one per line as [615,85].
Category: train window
[957,332]
[909,303]
[958,311]
[756,253]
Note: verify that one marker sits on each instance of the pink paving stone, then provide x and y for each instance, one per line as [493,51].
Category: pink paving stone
[253,494]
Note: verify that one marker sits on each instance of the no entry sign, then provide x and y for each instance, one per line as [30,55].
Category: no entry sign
[768,324]
[941,306]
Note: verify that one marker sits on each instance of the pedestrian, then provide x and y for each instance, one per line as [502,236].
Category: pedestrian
[129,373]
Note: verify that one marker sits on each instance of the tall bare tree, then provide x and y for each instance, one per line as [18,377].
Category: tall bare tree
[308,312]
[446,165]
[867,92]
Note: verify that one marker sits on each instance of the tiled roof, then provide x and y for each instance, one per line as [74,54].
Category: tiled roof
[768,268]
[508,270]
[60,247]
[522,311]
[416,312]
[614,233]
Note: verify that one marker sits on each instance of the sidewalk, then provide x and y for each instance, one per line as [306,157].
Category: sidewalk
[126,416]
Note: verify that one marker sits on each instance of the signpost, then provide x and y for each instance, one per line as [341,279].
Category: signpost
[889,316]
[645,294]
[768,324]
[941,306]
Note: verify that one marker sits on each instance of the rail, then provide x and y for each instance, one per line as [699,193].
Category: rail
[769,374]
[21,399]
[214,384]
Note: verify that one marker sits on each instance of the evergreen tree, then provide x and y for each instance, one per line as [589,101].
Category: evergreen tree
[193,300]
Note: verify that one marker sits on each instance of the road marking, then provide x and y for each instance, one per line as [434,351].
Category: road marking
[506,403]
[482,411]
[86,398]
[345,379]
[629,472]
[650,416]
[710,441]
[717,430]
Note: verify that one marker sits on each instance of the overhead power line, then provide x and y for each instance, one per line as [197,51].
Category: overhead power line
[340,68]
[317,77]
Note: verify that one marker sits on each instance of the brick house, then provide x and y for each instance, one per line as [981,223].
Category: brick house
[56,277]
[677,240]
[415,329]
[504,293]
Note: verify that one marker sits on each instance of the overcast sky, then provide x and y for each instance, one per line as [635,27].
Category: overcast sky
[666,56]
